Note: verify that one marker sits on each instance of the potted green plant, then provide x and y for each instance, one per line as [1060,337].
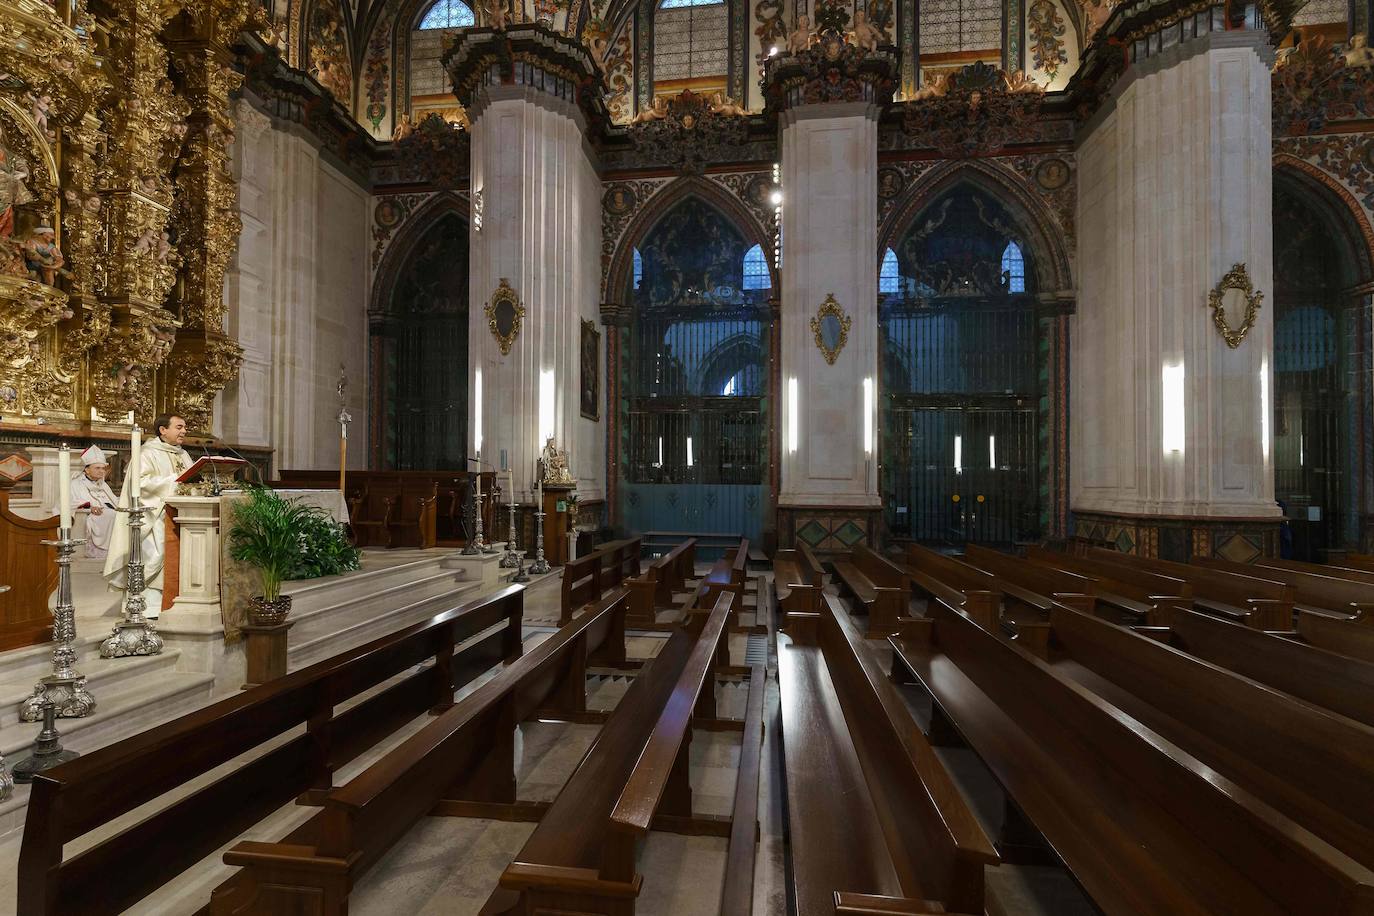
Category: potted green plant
[266,534]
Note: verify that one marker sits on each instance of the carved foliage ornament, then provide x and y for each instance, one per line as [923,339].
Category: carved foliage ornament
[504,314]
[831,327]
[1235,304]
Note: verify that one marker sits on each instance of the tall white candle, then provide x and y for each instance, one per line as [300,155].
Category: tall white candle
[510,483]
[135,461]
[64,487]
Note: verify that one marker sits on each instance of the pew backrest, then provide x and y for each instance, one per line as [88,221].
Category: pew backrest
[1328,592]
[82,795]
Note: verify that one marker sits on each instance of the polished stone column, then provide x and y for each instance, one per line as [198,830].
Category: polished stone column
[1169,421]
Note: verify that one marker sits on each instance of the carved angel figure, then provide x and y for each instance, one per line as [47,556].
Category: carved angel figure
[801,37]
[864,35]
[44,257]
[655,112]
[722,104]
[40,108]
[404,128]
[1358,53]
[14,190]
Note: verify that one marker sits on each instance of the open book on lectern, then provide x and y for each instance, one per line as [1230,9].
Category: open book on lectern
[214,467]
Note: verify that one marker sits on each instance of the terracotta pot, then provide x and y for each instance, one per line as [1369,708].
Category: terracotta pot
[264,613]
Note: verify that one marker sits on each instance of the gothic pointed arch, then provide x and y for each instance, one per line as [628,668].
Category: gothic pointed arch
[418,333]
[1047,242]
[620,268]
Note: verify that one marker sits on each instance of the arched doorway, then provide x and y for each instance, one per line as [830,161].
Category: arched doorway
[694,441]
[959,338]
[1321,409]
[419,333]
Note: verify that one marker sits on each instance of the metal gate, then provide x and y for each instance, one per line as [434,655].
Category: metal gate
[959,335]
[1314,378]
[694,451]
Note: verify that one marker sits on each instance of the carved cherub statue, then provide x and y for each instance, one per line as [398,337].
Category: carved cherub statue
[801,37]
[495,11]
[864,35]
[44,257]
[655,112]
[404,128]
[722,104]
[41,109]
[1358,53]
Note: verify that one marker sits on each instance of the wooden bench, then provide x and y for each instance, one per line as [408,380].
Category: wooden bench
[1146,595]
[581,586]
[462,763]
[1308,764]
[879,586]
[796,567]
[1250,599]
[1325,678]
[957,583]
[619,560]
[87,794]
[873,815]
[1319,569]
[1349,636]
[1363,561]
[658,584]
[1143,826]
[1331,593]
[582,856]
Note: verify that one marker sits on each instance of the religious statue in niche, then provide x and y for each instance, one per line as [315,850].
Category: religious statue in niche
[329,62]
[802,36]
[14,187]
[555,461]
[864,34]
[590,392]
[44,258]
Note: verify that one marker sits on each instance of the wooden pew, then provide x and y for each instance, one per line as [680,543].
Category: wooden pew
[878,584]
[619,561]
[1143,826]
[1149,596]
[1309,764]
[796,567]
[1355,560]
[86,794]
[462,763]
[1331,593]
[1353,636]
[872,812]
[660,581]
[1032,585]
[581,858]
[1320,569]
[581,586]
[1335,682]
[955,582]
[1250,599]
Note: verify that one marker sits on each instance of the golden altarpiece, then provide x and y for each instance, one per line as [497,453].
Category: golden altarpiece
[118,216]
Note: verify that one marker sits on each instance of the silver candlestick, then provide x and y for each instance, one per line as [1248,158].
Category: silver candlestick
[65,689]
[482,546]
[133,635]
[510,560]
[540,564]
[474,545]
[521,574]
[6,780]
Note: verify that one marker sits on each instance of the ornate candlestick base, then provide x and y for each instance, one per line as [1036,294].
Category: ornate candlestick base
[64,689]
[511,558]
[540,564]
[521,574]
[133,635]
[47,751]
[474,545]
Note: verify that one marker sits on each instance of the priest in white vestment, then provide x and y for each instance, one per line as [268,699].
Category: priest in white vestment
[163,460]
[91,495]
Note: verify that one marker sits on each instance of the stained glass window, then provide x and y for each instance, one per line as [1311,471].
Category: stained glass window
[960,25]
[639,268]
[448,14]
[889,279]
[691,40]
[756,269]
[1014,267]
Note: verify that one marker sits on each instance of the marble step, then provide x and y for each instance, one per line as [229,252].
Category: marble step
[103,675]
[33,662]
[364,602]
[311,595]
[383,618]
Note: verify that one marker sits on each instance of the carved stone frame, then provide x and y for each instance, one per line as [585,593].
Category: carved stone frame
[831,307]
[1237,278]
[504,293]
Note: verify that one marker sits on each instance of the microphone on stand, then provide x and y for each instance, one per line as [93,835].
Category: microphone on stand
[239,456]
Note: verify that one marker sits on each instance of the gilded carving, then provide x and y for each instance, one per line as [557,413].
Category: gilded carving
[831,326]
[1235,305]
[504,316]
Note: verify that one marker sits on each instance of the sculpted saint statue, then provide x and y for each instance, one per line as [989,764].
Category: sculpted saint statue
[556,464]
[864,35]
[163,460]
[1358,54]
